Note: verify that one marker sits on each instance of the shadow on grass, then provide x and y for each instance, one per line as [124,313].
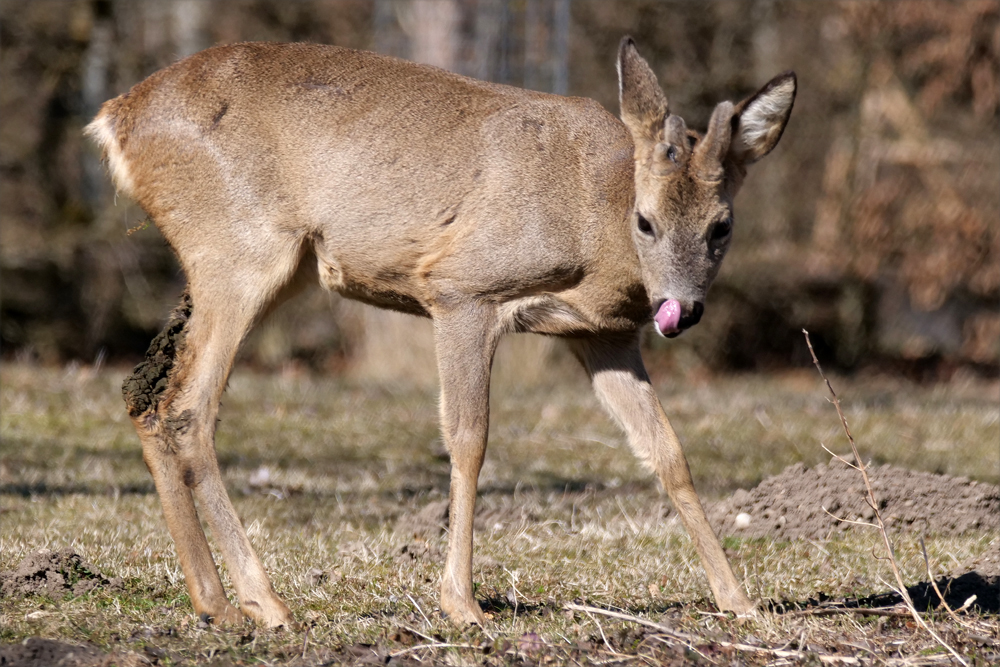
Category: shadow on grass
[96,489]
[501,604]
[956,591]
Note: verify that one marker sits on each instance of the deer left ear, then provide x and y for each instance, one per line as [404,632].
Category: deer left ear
[759,120]
[644,107]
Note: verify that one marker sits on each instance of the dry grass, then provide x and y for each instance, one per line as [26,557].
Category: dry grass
[568,517]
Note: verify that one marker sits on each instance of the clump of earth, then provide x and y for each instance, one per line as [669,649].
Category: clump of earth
[807,503]
[55,574]
[36,652]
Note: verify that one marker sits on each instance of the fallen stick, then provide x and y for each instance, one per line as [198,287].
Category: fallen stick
[688,638]
[860,611]
[425,647]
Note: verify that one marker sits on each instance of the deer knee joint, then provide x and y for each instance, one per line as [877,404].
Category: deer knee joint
[143,389]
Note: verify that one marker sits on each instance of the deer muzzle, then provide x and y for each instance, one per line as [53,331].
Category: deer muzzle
[670,318]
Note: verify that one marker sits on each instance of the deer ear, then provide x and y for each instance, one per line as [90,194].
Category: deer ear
[643,105]
[759,120]
[710,152]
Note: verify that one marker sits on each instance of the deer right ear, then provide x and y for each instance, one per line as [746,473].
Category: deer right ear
[643,105]
[759,120]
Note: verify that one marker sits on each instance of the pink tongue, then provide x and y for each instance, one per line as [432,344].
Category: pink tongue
[668,316]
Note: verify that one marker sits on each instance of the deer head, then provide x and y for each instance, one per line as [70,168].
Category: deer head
[685,182]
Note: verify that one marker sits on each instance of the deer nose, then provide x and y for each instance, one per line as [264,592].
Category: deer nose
[693,316]
[671,318]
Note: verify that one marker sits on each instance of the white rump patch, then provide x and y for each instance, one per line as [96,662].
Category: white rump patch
[102,131]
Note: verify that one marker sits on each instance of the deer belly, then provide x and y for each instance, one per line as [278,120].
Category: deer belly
[380,285]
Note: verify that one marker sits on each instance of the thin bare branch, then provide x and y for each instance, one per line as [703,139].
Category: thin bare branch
[426,620]
[856,523]
[838,457]
[856,611]
[425,647]
[930,578]
[863,469]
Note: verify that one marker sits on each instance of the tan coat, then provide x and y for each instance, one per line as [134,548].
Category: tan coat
[488,208]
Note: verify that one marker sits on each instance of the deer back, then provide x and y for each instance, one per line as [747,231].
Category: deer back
[413,185]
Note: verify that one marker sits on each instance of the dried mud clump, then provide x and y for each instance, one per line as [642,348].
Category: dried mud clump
[791,505]
[54,574]
[37,651]
[148,380]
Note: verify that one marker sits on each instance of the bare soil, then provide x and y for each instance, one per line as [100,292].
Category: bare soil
[54,574]
[807,503]
[35,652]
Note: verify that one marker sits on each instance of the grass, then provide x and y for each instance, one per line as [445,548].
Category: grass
[322,469]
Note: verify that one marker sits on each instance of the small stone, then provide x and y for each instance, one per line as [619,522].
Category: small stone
[743,520]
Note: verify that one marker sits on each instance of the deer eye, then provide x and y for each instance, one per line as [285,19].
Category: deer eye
[722,229]
[644,225]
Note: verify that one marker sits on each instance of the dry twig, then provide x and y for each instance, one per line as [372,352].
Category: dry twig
[425,647]
[858,611]
[863,469]
[930,578]
[689,640]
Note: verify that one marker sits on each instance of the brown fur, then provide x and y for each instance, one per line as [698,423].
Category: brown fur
[488,208]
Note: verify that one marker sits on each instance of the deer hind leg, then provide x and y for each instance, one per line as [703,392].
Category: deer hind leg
[619,377]
[466,339]
[173,399]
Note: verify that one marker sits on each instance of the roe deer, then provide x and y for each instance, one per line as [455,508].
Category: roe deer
[488,208]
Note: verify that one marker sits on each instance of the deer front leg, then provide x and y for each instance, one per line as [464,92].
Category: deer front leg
[616,369]
[466,339]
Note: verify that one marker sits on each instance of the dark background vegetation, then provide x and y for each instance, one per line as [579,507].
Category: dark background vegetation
[874,224]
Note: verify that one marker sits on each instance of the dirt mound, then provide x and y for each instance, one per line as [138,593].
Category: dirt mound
[791,505]
[35,651]
[54,574]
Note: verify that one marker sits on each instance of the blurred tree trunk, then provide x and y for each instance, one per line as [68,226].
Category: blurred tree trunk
[489,26]
[435,33]
[397,347]
[101,294]
[534,44]
[388,38]
[189,19]
[560,57]
[771,181]
[393,346]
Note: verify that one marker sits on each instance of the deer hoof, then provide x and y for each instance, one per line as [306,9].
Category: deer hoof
[225,616]
[740,605]
[271,614]
[463,613]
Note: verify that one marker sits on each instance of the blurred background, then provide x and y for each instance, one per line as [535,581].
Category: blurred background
[875,223]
